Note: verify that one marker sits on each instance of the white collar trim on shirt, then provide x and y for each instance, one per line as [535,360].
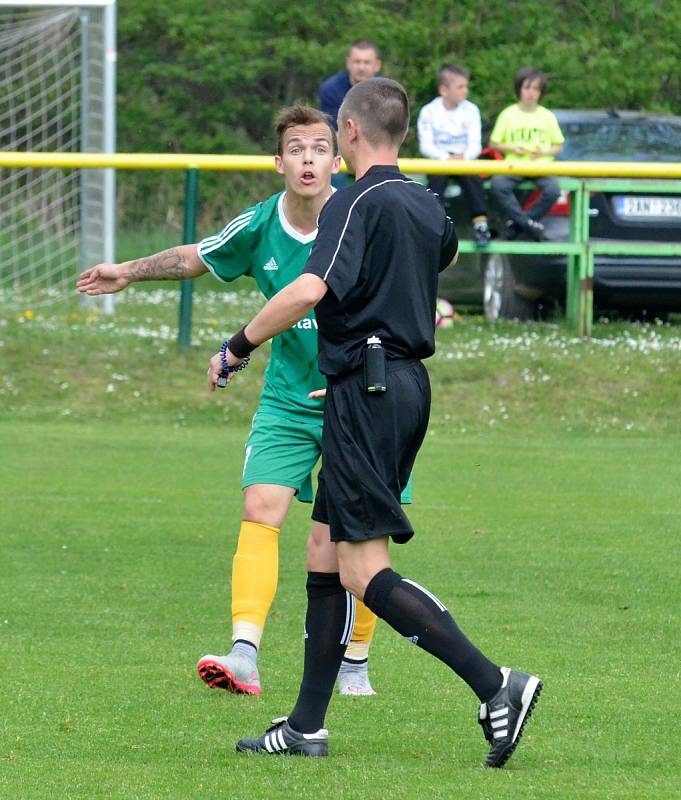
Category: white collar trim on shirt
[303,238]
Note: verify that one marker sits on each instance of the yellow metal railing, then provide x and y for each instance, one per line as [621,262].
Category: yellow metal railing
[239,163]
[574,174]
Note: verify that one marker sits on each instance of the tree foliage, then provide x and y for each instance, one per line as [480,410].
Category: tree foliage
[200,76]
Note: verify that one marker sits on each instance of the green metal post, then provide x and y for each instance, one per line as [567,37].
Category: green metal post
[191,202]
[586,271]
[572,260]
[587,309]
[576,260]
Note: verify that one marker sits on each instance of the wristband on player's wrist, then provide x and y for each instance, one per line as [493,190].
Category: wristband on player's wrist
[239,345]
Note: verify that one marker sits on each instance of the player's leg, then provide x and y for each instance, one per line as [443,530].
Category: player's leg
[280,453]
[414,612]
[507,697]
[328,624]
[255,569]
[353,674]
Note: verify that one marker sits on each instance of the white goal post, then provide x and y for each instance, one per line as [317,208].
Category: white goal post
[57,94]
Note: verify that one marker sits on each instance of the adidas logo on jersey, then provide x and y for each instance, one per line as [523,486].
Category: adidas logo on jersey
[271,265]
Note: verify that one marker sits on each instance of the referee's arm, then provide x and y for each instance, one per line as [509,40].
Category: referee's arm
[286,308]
[449,253]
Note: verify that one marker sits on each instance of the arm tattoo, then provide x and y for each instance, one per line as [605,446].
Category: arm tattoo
[168,265]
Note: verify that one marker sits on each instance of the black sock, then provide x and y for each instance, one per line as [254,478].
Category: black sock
[417,614]
[328,627]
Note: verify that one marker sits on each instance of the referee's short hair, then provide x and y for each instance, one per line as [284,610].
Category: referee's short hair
[302,115]
[381,107]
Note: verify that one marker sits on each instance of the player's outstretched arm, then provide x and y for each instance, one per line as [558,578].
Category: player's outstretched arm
[174,264]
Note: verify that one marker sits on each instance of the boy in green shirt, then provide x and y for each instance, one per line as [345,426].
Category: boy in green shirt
[269,242]
[526,131]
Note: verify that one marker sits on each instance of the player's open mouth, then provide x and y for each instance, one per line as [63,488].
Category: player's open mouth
[308,177]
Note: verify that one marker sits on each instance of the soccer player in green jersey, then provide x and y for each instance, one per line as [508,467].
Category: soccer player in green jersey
[269,242]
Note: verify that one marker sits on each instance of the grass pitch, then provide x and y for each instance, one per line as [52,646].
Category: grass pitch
[547,519]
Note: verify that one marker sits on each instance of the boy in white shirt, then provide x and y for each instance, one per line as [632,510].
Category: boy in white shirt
[449,128]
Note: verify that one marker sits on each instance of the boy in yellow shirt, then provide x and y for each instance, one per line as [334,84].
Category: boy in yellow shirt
[526,131]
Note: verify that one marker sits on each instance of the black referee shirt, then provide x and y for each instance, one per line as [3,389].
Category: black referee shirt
[380,246]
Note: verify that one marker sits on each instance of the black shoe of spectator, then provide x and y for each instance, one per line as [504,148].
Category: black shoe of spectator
[534,229]
[512,230]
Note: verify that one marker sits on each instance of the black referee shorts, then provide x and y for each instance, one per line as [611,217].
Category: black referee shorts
[369,446]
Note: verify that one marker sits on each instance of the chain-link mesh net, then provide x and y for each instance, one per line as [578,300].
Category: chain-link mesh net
[51,89]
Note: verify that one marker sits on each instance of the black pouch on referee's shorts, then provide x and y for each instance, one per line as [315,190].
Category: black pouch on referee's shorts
[374,366]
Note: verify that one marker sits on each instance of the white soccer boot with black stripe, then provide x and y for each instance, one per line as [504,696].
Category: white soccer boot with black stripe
[504,716]
[282,740]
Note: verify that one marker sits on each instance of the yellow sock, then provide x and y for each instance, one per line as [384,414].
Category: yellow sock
[255,571]
[362,633]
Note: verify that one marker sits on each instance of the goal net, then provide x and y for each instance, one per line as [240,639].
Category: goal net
[56,62]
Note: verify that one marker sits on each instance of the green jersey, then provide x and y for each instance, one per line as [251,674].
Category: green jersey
[261,243]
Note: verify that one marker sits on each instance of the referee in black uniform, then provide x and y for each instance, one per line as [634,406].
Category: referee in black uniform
[372,279]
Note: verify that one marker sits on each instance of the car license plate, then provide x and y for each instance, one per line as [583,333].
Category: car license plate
[645,207]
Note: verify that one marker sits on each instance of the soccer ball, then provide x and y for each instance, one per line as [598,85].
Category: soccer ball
[444,314]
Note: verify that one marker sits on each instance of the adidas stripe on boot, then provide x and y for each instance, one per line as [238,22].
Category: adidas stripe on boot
[504,716]
[282,740]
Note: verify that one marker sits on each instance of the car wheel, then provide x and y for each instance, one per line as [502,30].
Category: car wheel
[499,299]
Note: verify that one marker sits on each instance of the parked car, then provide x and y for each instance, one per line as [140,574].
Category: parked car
[515,285]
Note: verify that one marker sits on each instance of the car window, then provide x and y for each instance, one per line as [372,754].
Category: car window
[616,140]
